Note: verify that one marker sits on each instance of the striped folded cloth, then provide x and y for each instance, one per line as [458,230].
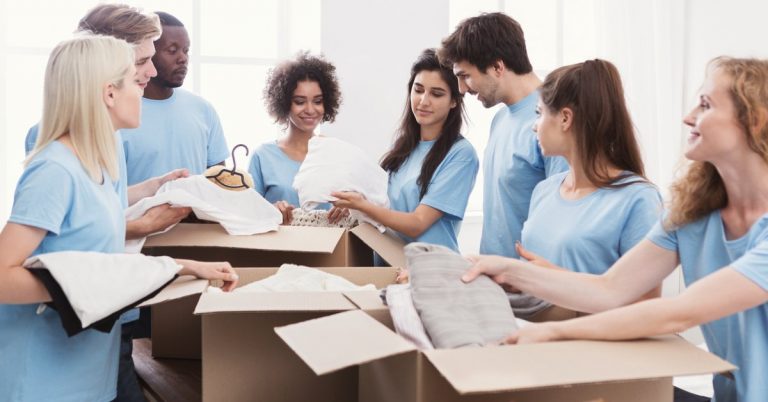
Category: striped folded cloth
[454,313]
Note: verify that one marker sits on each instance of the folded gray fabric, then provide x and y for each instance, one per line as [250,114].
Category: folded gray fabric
[455,313]
[526,306]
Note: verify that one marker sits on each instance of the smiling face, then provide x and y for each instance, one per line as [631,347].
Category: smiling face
[145,68]
[430,99]
[715,129]
[307,108]
[172,57]
[475,82]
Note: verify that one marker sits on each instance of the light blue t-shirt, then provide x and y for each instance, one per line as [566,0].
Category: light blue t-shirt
[273,173]
[38,361]
[448,190]
[121,185]
[591,233]
[741,338]
[512,166]
[182,131]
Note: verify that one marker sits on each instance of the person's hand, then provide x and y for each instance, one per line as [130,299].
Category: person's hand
[216,272]
[161,217]
[534,258]
[348,199]
[155,183]
[535,333]
[287,210]
[402,276]
[492,265]
[336,214]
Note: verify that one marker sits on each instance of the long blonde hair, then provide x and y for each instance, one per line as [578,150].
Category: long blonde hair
[701,189]
[73,99]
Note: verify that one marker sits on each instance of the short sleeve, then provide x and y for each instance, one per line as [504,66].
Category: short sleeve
[644,212]
[453,181]
[754,264]
[255,170]
[662,237]
[44,196]
[31,138]
[217,144]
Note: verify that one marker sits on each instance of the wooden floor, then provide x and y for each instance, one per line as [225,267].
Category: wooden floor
[167,380]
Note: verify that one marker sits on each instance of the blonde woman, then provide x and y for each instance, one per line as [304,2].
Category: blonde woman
[66,199]
[716,229]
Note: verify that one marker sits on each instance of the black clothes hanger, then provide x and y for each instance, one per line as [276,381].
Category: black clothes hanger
[232,172]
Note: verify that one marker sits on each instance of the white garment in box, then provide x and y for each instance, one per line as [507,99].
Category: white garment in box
[297,278]
[243,212]
[99,284]
[335,165]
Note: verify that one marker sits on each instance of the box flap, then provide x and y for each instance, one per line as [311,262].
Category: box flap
[342,340]
[286,238]
[272,301]
[183,286]
[387,245]
[366,299]
[529,366]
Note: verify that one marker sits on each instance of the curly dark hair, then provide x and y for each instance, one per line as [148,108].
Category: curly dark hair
[284,78]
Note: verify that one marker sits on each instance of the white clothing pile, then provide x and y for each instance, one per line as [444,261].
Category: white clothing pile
[239,212]
[97,285]
[297,278]
[335,165]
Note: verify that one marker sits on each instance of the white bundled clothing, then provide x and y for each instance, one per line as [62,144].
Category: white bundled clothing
[297,278]
[335,165]
[239,212]
[97,285]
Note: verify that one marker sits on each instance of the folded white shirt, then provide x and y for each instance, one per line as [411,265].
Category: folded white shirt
[96,285]
[243,212]
[335,165]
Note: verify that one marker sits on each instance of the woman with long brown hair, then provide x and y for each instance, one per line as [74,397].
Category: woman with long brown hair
[432,168]
[716,230]
[588,217]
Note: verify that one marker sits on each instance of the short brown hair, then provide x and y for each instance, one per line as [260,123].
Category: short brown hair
[484,39]
[285,77]
[121,21]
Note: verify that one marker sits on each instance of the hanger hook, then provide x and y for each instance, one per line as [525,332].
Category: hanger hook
[234,161]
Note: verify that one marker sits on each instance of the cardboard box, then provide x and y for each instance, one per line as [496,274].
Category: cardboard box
[392,369]
[244,360]
[176,331]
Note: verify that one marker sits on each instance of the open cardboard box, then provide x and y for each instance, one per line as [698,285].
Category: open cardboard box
[392,369]
[242,357]
[176,331]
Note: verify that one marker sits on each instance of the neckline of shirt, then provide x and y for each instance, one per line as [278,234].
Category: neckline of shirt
[529,101]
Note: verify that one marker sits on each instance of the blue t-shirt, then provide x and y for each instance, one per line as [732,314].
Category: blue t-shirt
[121,185]
[591,233]
[273,173]
[38,361]
[741,338]
[448,190]
[182,131]
[512,166]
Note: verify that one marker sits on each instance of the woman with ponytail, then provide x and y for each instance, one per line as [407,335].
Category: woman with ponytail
[586,218]
[432,168]
[716,230]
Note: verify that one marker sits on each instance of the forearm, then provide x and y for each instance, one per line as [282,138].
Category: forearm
[643,319]
[573,290]
[142,190]
[135,229]
[19,286]
[410,224]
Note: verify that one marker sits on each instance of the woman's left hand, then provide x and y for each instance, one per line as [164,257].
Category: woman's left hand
[213,271]
[348,199]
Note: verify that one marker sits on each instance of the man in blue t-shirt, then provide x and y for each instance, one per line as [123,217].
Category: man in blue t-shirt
[490,61]
[179,130]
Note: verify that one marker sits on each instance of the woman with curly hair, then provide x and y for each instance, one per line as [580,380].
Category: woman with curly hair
[716,230]
[300,94]
[432,168]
